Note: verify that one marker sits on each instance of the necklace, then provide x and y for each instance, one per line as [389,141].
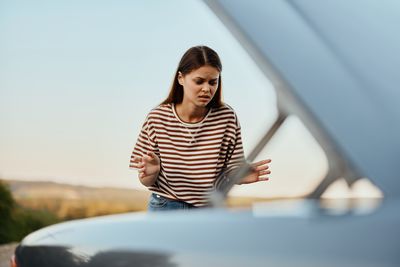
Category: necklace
[191,132]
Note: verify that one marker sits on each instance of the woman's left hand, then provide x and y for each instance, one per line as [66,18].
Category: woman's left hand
[259,172]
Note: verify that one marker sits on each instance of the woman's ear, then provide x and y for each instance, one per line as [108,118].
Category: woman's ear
[180,78]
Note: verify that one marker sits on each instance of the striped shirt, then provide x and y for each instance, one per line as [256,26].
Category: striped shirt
[192,155]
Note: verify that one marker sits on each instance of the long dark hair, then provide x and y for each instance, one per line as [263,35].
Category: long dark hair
[194,58]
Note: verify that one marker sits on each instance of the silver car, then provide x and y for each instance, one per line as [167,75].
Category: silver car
[336,66]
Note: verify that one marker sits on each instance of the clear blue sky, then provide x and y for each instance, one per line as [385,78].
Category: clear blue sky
[77,79]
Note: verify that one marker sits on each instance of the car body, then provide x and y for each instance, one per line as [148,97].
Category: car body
[335,66]
[307,235]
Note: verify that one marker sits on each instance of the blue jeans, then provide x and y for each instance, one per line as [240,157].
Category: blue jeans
[160,203]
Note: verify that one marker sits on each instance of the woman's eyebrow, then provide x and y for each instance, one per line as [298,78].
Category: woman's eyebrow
[198,77]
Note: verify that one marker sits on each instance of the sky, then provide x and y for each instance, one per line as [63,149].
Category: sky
[77,79]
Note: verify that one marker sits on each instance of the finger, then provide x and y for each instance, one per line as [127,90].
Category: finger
[263,179]
[151,154]
[135,165]
[265,161]
[136,159]
[262,162]
[258,163]
[262,168]
[147,158]
[264,172]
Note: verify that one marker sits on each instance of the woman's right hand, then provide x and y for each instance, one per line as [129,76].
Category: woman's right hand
[148,167]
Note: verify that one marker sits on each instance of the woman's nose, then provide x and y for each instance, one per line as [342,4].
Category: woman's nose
[206,89]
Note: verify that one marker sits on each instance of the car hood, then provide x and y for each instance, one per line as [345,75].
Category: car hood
[266,231]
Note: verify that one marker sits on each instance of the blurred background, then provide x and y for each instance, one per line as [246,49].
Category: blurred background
[76,82]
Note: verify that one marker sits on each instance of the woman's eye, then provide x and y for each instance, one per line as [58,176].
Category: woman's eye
[199,82]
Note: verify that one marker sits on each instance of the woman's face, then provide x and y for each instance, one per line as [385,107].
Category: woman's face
[199,86]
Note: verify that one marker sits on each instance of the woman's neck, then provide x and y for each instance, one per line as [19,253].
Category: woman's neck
[189,113]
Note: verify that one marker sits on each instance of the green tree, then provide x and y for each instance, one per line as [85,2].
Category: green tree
[16,222]
[7,204]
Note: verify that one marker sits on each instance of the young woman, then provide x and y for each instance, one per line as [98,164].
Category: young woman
[191,138]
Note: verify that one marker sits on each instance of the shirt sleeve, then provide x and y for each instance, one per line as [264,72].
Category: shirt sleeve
[235,156]
[145,142]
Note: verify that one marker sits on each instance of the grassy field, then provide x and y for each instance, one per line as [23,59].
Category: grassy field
[72,202]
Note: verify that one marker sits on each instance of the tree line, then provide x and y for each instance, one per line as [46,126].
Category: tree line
[16,221]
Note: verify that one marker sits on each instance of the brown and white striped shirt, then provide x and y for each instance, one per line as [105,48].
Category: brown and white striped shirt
[192,155]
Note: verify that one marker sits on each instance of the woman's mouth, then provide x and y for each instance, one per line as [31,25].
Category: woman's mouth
[204,98]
